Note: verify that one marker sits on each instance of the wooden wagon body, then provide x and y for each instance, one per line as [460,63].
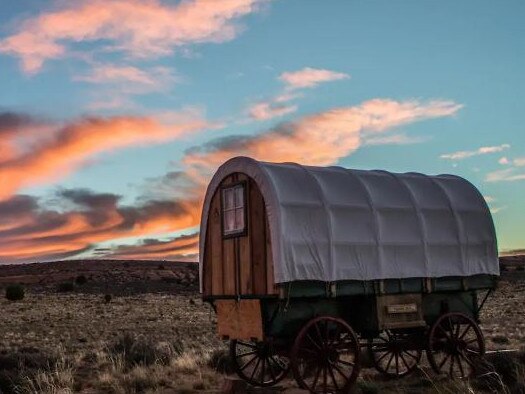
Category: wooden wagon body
[394,258]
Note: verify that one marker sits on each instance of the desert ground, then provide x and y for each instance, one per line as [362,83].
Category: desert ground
[141,327]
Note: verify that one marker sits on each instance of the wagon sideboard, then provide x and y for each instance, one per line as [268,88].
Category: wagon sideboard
[281,243]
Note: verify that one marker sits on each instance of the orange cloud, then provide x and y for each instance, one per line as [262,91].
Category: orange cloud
[310,77]
[269,110]
[323,138]
[142,28]
[32,232]
[68,147]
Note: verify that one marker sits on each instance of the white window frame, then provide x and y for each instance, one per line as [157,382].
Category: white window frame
[238,209]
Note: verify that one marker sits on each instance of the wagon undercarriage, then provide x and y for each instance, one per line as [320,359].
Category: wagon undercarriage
[325,356]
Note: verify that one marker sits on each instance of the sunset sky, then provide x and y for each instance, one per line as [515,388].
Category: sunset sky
[114,114]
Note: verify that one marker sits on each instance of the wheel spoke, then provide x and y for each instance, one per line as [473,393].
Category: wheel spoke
[313,342]
[339,370]
[247,344]
[316,379]
[465,357]
[411,355]
[389,362]
[329,367]
[404,361]
[397,363]
[460,367]
[246,354]
[382,357]
[451,368]
[445,332]
[348,363]
[263,370]
[469,327]
[245,365]
[255,369]
[325,383]
[443,362]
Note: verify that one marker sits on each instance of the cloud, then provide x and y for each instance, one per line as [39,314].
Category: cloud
[503,161]
[269,110]
[323,138]
[154,249]
[519,162]
[506,175]
[310,77]
[29,231]
[294,81]
[67,147]
[130,79]
[142,29]
[393,139]
[460,155]
[497,209]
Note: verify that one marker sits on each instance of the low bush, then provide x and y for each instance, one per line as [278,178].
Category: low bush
[107,298]
[15,293]
[81,280]
[138,350]
[65,287]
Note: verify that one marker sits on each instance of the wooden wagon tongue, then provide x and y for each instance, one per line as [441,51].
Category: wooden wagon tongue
[305,265]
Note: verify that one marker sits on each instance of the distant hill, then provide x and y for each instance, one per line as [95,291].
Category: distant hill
[113,276]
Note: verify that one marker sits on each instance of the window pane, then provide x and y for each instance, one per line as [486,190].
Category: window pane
[228,198]
[239,219]
[229,221]
[239,197]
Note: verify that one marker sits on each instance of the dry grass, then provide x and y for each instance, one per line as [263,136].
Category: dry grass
[164,343]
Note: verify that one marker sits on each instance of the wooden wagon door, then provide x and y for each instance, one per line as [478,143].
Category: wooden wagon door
[241,264]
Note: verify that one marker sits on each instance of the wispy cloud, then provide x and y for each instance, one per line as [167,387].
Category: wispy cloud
[392,139]
[460,155]
[175,248]
[142,29]
[293,82]
[66,147]
[519,162]
[507,175]
[323,138]
[310,77]
[130,79]
[269,110]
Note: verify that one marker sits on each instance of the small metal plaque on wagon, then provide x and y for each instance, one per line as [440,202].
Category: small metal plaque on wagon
[399,311]
[402,308]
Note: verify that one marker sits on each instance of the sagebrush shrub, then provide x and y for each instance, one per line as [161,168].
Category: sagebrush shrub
[14,293]
[65,287]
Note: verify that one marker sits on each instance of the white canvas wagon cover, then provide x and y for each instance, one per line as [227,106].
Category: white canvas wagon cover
[333,223]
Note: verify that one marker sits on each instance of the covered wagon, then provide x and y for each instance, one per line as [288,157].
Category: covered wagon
[307,265]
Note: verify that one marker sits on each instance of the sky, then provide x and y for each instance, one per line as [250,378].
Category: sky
[114,114]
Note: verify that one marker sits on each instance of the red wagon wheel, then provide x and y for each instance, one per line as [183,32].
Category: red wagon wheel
[455,343]
[325,356]
[394,354]
[258,363]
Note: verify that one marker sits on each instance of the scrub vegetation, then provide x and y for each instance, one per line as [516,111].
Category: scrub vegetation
[157,336]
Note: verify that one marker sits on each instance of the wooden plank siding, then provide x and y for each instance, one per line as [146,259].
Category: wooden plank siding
[243,265]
